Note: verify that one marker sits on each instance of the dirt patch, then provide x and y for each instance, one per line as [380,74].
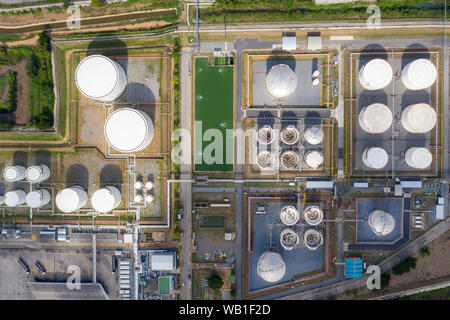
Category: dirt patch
[21,116]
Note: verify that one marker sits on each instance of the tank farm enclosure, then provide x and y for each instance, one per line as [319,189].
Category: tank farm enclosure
[395,140]
[213,100]
[266,230]
[84,158]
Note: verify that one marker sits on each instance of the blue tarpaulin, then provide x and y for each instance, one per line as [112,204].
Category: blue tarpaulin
[353,268]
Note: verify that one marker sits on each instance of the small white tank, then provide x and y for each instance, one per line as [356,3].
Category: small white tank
[375,157]
[419,118]
[313,159]
[419,74]
[313,215]
[313,135]
[138,185]
[265,159]
[375,118]
[37,173]
[149,185]
[418,158]
[375,74]
[106,199]
[289,159]
[289,135]
[313,239]
[15,198]
[289,239]
[315,82]
[71,199]
[289,215]
[38,198]
[138,198]
[265,135]
[149,198]
[14,173]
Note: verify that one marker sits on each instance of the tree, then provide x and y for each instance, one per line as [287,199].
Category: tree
[405,266]
[97,3]
[424,252]
[385,278]
[215,282]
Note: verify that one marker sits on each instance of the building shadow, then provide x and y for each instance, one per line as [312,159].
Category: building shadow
[111,175]
[368,97]
[370,52]
[413,52]
[77,174]
[410,97]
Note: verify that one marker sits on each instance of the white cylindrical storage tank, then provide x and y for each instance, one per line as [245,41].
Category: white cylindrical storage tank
[419,74]
[129,130]
[289,215]
[313,215]
[149,185]
[71,199]
[100,78]
[375,118]
[313,135]
[418,158]
[138,185]
[313,159]
[313,239]
[15,198]
[289,239]
[271,266]
[37,173]
[289,135]
[289,159]
[265,135]
[2,199]
[138,198]
[381,222]
[38,198]
[375,74]
[419,118]
[14,173]
[265,159]
[149,198]
[106,199]
[281,81]
[375,157]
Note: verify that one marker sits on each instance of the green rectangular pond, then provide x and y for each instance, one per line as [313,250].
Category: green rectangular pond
[213,110]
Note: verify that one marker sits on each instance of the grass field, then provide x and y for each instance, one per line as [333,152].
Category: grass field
[212,222]
[214,108]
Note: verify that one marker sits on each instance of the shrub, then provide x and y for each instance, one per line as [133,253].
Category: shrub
[97,3]
[215,282]
[385,278]
[6,125]
[11,102]
[424,252]
[405,266]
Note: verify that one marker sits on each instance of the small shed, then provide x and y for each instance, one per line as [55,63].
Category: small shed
[314,42]
[289,42]
[353,268]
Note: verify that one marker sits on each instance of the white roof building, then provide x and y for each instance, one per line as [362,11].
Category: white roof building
[314,43]
[100,78]
[163,261]
[129,130]
[289,43]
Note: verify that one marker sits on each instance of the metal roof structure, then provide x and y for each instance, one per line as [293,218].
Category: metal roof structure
[60,291]
[353,268]
[163,261]
[289,43]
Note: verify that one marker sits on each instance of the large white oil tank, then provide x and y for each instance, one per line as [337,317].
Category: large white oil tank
[100,78]
[418,118]
[289,159]
[281,81]
[418,158]
[289,215]
[313,239]
[313,135]
[375,74]
[38,198]
[313,159]
[265,135]
[271,266]
[265,159]
[37,173]
[313,215]
[14,173]
[129,130]
[375,118]
[419,74]
[15,198]
[106,199]
[289,239]
[375,157]
[71,199]
[289,135]
[381,222]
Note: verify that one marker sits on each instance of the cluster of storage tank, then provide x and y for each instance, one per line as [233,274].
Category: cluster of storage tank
[289,136]
[33,174]
[142,191]
[377,118]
